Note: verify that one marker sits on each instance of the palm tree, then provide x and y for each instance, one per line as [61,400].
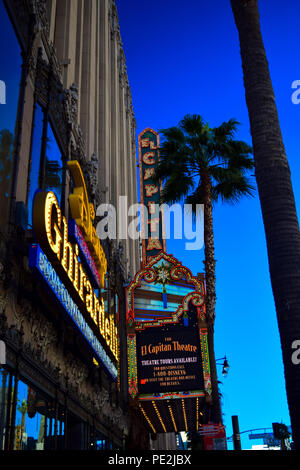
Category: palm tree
[276,195]
[201,165]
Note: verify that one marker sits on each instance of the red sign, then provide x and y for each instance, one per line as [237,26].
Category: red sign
[214,436]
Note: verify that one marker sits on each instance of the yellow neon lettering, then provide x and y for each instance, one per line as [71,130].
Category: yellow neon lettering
[89,298]
[68,255]
[149,158]
[53,212]
[51,230]
[82,281]
[107,331]
[84,213]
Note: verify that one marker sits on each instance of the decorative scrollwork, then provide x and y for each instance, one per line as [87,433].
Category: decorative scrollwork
[42,335]
[150,275]
[71,103]
[197,300]
[178,273]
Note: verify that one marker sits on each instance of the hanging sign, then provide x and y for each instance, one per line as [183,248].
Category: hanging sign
[152,219]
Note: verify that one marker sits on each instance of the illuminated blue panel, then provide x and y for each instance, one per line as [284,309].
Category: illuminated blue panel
[150,304]
[40,264]
[171,289]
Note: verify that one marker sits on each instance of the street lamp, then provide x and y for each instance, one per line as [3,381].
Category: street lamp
[225,365]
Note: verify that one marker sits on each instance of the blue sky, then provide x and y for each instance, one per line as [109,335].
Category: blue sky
[184,58]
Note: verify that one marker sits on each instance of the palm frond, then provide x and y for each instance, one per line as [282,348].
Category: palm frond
[193,124]
[176,188]
[174,134]
[192,149]
[226,130]
[232,188]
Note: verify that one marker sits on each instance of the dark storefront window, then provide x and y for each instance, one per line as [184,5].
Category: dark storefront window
[3,405]
[103,443]
[10,74]
[38,424]
[29,420]
[7,390]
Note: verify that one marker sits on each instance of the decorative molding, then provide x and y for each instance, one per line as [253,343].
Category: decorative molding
[121,260]
[71,104]
[113,21]
[39,9]
[37,341]
[92,173]
[122,67]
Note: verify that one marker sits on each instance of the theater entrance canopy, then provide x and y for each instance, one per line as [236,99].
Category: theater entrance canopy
[168,361]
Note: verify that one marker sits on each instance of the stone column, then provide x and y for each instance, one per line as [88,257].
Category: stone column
[115,118]
[133,170]
[79,48]
[104,132]
[124,168]
[88,76]
[65,38]
[130,175]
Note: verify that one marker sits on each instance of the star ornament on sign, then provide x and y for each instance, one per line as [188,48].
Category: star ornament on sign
[163,274]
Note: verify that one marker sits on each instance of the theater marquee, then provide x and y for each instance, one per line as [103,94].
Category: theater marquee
[169,360]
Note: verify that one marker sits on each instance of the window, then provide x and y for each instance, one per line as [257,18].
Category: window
[35,158]
[10,74]
[46,171]
[35,426]
[54,165]
[3,405]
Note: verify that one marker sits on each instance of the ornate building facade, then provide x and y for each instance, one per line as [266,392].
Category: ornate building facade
[68,99]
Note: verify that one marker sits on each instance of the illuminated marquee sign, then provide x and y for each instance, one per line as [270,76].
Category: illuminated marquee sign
[153,239]
[73,252]
[169,360]
[84,213]
[76,236]
[39,262]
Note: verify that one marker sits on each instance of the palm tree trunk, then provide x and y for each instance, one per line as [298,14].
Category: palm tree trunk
[210,301]
[276,195]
